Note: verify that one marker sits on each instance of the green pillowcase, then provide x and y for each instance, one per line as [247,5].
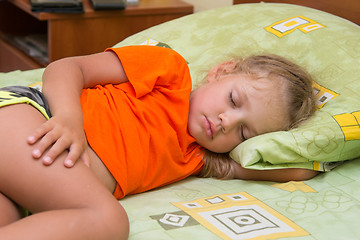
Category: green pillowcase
[326,45]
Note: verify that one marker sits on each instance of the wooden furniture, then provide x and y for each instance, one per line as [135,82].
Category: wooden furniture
[73,34]
[348,9]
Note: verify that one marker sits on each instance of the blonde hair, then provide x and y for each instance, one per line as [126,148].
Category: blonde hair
[300,101]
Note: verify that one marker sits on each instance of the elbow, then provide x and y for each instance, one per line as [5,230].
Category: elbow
[300,174]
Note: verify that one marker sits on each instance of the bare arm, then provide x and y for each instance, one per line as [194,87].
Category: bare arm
[276,175]
[63,82]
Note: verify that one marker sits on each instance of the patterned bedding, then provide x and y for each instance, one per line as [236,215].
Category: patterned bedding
[326,207]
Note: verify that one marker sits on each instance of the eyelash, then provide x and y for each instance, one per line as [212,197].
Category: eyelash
[242,134]
[231,99]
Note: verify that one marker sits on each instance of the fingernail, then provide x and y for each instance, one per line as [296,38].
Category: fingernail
[47,160]
[68,163]
[36,153]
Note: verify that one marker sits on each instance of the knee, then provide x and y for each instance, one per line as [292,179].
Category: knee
[115,222]
[121,225]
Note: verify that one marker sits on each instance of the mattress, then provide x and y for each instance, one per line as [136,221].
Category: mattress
[325,207]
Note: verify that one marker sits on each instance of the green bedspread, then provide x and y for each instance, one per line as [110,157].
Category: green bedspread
[326,207]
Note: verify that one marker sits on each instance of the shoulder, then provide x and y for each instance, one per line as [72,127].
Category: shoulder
[148,53]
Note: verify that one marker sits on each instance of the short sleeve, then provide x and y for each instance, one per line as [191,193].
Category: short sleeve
[149,67]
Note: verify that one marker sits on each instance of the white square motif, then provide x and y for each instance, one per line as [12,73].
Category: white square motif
[215,200]
[244,222]
[174,220]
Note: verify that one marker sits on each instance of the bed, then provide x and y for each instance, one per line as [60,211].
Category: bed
[325,207]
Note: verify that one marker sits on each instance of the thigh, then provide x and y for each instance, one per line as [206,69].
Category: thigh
[10,212]
[33,185]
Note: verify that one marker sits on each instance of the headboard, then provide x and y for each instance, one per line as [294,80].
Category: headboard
[348,9]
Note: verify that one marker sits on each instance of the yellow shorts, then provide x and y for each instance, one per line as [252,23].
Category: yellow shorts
[20,94]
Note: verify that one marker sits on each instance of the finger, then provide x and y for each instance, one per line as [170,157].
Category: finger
[75,153]
[55,150]
[85,157]
[44,144]
[38,133]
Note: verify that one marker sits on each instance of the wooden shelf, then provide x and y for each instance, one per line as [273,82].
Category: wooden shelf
[11,56]
[71,34]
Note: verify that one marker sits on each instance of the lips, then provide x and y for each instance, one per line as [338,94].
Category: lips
[209,128]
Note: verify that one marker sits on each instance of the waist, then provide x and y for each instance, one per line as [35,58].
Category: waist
[100,170]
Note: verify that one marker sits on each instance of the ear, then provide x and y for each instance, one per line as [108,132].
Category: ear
[219,70]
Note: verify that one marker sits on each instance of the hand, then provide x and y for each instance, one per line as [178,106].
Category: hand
[57,135]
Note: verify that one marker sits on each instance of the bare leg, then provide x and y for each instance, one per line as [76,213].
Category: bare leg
[9,211]
[67,203]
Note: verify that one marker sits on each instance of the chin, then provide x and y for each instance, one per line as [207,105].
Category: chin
[219,150]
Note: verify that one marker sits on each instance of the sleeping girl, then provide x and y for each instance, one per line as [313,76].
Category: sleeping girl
[129,115]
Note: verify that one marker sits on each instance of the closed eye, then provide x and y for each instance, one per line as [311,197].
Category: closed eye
[242,134]
[231,99]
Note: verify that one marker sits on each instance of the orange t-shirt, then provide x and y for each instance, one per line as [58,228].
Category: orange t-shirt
[139,128]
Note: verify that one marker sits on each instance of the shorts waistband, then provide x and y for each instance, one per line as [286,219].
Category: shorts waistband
[21,94]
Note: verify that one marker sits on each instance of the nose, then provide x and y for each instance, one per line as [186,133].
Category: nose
[230,120]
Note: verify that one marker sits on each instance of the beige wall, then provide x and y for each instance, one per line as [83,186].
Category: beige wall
[201,5]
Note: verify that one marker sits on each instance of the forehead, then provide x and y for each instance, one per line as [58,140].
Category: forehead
[261,86]
[268,90]
[266,102]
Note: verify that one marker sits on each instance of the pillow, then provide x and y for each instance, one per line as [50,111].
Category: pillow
[326,45]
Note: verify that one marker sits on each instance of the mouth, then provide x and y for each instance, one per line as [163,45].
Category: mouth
[209,128]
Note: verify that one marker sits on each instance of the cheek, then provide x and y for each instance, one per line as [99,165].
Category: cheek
[191,126]
[224,144]
[192,117]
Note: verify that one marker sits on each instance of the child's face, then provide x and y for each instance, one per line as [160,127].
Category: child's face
[227,111]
